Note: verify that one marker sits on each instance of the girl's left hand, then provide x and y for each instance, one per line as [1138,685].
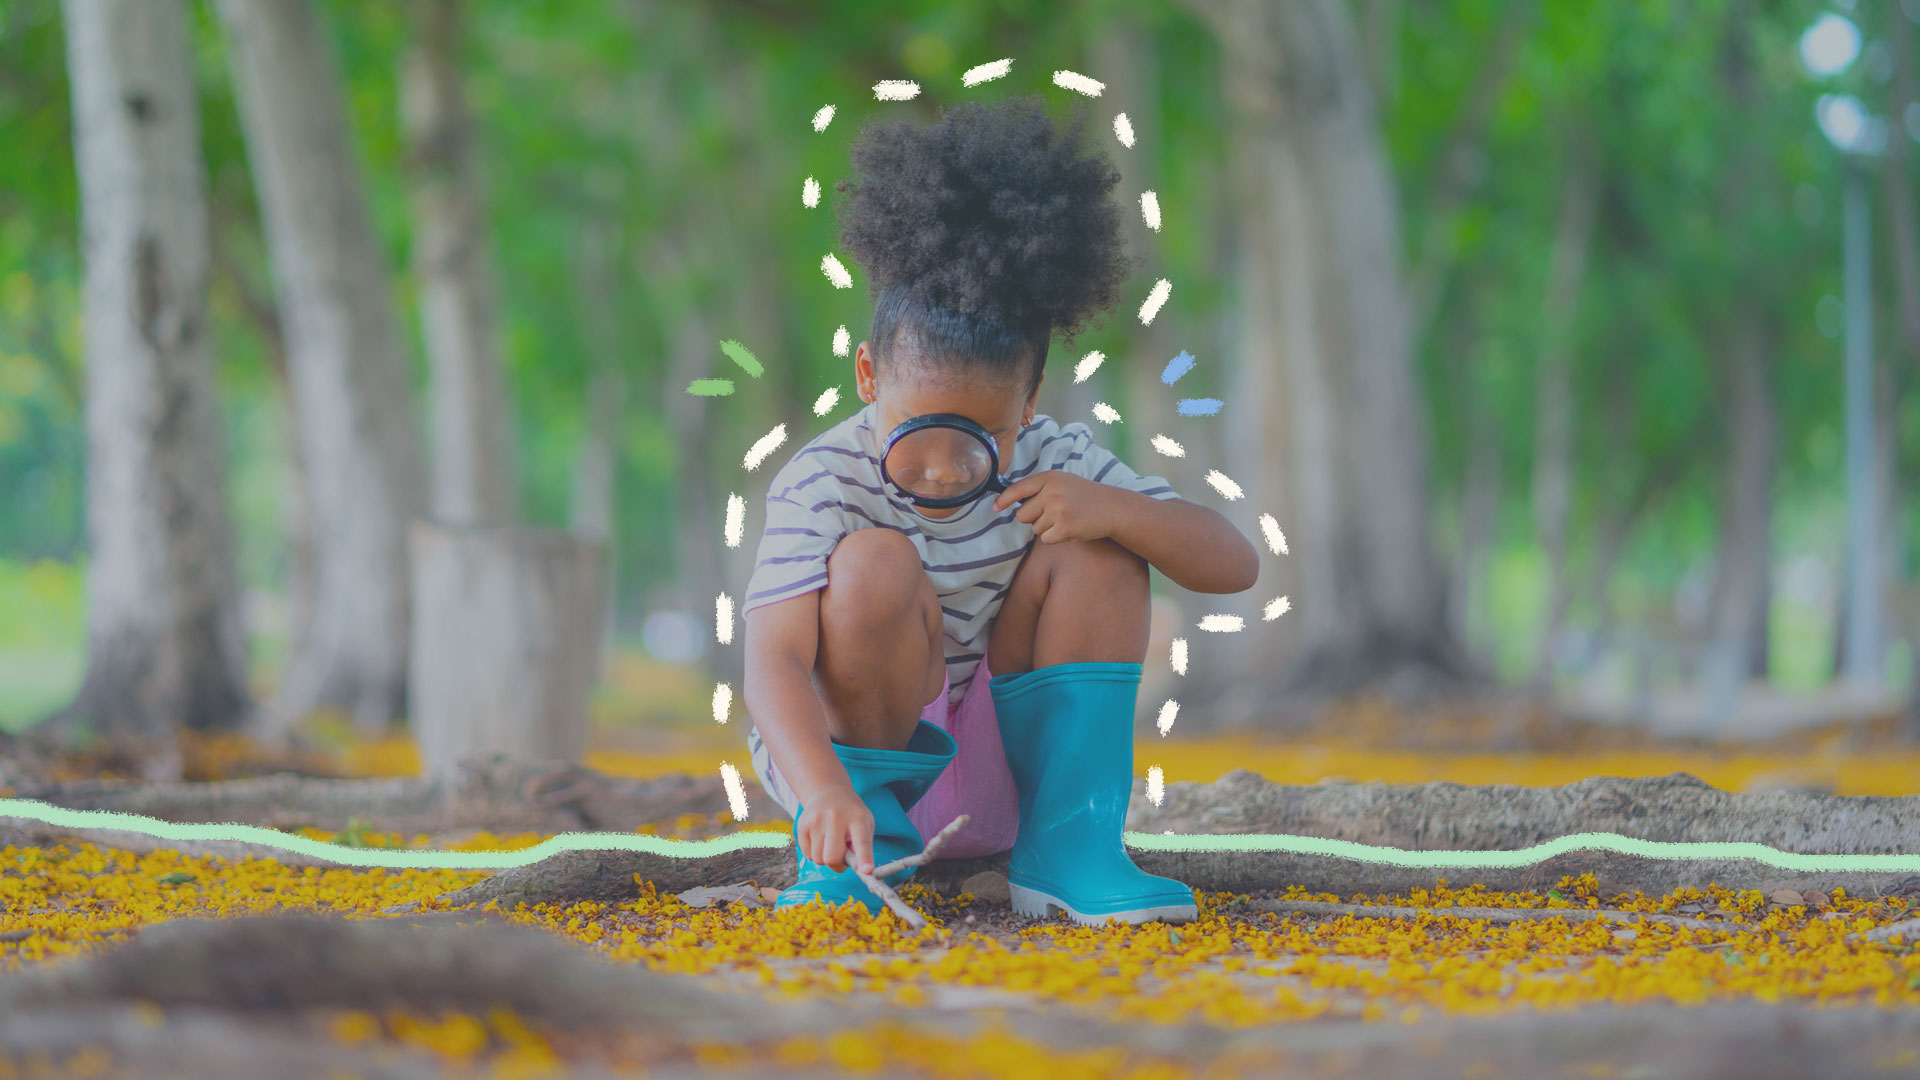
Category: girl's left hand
[1061,506]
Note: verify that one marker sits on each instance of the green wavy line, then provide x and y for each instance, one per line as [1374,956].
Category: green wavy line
[688,849]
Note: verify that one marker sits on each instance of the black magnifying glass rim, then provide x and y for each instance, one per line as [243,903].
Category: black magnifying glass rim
[993,482]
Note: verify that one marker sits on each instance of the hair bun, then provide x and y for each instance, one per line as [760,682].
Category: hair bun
[990,212]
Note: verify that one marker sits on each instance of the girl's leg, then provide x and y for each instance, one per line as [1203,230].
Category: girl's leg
[1067,656]
[1072,602]
[881,657]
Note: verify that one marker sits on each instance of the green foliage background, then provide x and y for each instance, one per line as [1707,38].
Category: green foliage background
[690,122]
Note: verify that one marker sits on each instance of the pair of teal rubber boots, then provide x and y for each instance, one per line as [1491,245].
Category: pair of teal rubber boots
[1067,730]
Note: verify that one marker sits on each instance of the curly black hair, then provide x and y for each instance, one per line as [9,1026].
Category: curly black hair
[981,235]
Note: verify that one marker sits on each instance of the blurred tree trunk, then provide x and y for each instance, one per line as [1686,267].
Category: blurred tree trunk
[596,468]
[1380,29]
[1553,401]
[297,584]
[345,354]
[1903,237]
[475,472]
[1326,355]
[700,493]
[1742,587]
[504,645]
[690,259]
[1479,489]
[1903,233]
[1459,170]
[165,648]
[1741,597]
[1886,508]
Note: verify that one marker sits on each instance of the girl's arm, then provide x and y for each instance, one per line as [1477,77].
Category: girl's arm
[1195,546]
[782,640]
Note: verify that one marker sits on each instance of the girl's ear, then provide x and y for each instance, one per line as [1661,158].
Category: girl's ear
[863,373]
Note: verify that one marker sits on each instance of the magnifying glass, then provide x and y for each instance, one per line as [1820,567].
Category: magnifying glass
[941,460]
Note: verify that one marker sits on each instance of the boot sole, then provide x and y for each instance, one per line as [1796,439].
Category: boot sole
[1035,904]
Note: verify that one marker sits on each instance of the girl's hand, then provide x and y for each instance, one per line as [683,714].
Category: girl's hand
[1061,506]
[836,830]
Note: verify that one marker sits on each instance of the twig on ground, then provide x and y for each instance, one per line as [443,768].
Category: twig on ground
[921,858]
[1499,916]
[926,852]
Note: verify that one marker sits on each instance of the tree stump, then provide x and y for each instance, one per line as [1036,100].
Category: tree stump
[506,622]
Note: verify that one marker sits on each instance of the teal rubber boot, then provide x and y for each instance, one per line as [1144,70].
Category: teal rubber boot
[1068,734]
[890,782]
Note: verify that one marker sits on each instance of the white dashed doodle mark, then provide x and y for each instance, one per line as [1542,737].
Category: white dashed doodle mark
[736,794]
[736,520]
[986,72]
[768,444]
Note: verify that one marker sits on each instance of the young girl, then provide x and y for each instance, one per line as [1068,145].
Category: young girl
[913,653]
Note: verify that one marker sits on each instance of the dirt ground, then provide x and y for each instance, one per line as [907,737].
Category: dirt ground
[153,959]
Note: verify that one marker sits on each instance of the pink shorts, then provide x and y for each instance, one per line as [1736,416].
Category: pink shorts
[977,782]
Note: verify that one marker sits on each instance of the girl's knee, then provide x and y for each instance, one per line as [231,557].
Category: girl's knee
[874,575]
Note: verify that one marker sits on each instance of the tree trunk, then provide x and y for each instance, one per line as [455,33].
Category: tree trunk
[297,580]
[1903,233]
[700,495]
[1738,607]
[165,648]
[1553,403]
[1479,511]
[1325,354]
[344,351]
[475,471]
[1459,170]
[505,643]
[596,466]
[1890,542]
[1737,620]
[592,508]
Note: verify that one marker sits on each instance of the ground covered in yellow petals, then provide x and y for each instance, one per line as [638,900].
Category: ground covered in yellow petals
[1237,967]
[961,997]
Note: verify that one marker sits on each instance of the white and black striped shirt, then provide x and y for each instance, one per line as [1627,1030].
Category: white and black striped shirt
[832,486]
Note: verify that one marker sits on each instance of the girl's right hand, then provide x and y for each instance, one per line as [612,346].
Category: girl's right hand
[834,826]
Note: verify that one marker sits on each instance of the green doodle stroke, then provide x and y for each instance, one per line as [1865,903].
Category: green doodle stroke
[687,849]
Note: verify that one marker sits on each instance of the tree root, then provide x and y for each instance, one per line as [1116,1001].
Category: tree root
[1496,916]
[552,798]
[573,877]
[279,963]
[493,792]
[21,832]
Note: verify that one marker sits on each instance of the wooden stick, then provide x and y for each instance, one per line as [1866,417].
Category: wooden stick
[921,858]
[1499,916]
[925,854]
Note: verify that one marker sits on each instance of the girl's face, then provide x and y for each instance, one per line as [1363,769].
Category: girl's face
[999,407]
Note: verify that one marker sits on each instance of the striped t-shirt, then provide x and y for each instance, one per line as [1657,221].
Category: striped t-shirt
[832,486]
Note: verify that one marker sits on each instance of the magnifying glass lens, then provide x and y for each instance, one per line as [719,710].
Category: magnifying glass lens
[939,463]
